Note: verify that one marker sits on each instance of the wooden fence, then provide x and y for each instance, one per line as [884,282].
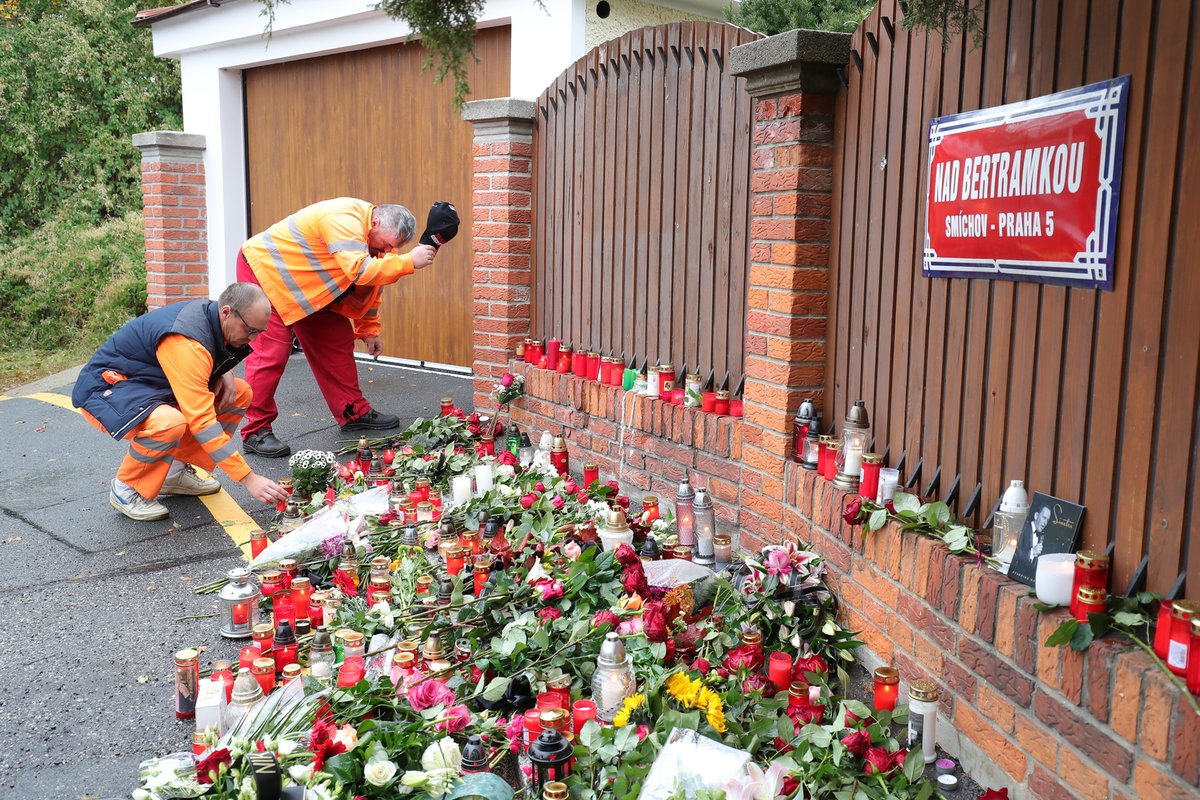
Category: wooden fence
[1090,396]
[641,201]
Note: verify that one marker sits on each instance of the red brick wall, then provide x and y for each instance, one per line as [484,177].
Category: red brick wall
[173,198]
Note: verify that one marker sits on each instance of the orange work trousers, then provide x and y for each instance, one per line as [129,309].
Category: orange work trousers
[164,437]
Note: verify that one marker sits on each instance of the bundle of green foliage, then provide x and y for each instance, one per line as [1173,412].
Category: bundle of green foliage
[76,82]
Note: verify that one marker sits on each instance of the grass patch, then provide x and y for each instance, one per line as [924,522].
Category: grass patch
[64,290]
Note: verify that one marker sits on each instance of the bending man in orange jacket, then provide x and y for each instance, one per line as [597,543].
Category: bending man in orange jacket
[163,382]
[324,269]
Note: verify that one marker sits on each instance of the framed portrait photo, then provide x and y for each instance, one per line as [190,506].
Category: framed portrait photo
[1053,526]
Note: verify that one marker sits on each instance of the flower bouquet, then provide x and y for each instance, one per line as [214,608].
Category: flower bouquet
[510,388]
[312,472]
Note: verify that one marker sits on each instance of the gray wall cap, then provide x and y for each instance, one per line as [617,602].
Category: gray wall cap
[499,108]
[170,146]
[797,59]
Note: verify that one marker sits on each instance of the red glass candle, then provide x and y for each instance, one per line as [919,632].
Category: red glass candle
[592,366]
[487,447]
[301,597]
[424,584]
[533,725]
[223,674]
[887,688]
[1162,630]
[1089,600]
[797,694]
[779,670]
[351,672]
[526,352]
[263,670]
[1091,569]
[456,559]
[565,360]
[617,376]
[415,497]
[287,573]
[272,582]
[1182,613]
[737,408]
[579,363]
[246,657]
[872,463]
[552,346]
[1193,670]
[283,609]
[581,712]
[187,683]
[284,654]
[482,571]
[447,405]
[650,511]
[548,700]
[822,453]
[262,635]
[708,401]
[560,460]
[832,448]
[539,350]
[591,474]
[258,541]
[721,403]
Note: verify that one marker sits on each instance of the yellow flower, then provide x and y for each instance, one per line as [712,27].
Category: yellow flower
[630,705]
[716,718]
[679,687]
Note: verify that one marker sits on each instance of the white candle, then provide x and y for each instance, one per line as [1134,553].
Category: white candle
[1054,577]
[461,488]
[853,462]
[483,477]
[889,481]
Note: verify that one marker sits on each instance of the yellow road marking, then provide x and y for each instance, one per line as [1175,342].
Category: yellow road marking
[224,509]
[4,397]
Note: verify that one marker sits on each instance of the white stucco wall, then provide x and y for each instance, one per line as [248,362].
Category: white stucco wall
[627,15]
[214,44]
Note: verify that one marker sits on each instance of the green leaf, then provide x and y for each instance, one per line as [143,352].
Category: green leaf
[902,501]
[486,785]
[495,689]
[344,768]
[877,519]
[859,709]
[1129,619]
[914,765]
[1082,637]
[1062,634]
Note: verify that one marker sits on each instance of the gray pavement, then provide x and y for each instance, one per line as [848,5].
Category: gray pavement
[91,600]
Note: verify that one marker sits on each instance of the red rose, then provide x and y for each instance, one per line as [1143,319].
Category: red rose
[557,502]
[539,487]
[654,621]
[790,785]
[760,682]
[622,501]
[878,761]
[701,665]
[994,794]
[899,757]
[386,517]
[548,614]
[643,731]
[804,714]
[582,497]
[474,429]
[853,510]
[528,500]
[604,618]
[473,417]
[506,457]
[506,379]
[570,486]
[616,487]
[722,673]
[626,555]
[812,663]
[330,496]
[211,765]
[782,747]
[857,742]
[633,579]
[745,656]
[669,658]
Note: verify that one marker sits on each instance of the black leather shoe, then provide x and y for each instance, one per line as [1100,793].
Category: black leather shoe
[373,421]
[263,443]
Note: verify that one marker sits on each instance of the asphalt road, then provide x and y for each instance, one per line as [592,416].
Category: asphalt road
[91,600]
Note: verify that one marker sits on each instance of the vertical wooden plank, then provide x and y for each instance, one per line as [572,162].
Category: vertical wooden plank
[601,203]
[739,224]
[1045,377]
[555,226]
[977,375]
[844,212]
[577,162]
[635,241]
[543,286]
[716,314]
[1142,353]
[672,112]
[697,258]
[653,77]
[855,294]
[874,377]
[1103,469]
[1096,45]
[722,91]
[682,264]
[910,225]
[606,281]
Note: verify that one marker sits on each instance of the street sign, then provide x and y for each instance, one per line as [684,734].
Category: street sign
[1029,190]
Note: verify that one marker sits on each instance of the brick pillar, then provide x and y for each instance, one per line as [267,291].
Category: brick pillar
[501,227]
[174,217]
[791,78]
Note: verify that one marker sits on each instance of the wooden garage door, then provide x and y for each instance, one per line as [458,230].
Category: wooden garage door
[370,124]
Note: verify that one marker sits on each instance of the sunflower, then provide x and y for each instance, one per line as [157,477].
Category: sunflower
[716,717]
[630,705]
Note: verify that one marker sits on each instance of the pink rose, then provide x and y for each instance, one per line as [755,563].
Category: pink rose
[548,614]
[557,502]
[570,486]
[454,719]
[428,693]
[630,626]
[760,682]
[857,742]
[643,731]
[572,550]
[539,487]
[551,590]
[506,379]
[604,618]
[528,500]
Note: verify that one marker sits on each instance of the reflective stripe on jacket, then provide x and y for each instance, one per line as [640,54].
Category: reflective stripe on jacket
[307,261]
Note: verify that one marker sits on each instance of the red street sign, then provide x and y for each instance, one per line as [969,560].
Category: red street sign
[1028,191]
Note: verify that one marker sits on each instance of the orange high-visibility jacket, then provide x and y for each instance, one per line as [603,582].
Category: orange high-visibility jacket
[307,261]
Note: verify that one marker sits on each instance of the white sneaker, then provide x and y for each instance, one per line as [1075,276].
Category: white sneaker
[134,506]
[186,481]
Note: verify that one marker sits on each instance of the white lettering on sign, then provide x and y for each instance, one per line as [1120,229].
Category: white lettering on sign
[1017,173]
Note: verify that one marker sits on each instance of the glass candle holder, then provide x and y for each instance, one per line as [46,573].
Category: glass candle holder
[456,558]
[723,548]
[887,688]
[833,449]
[721,402]
[822,453]
[579,363]
[1091,569]
[1162,630]
[258,543]
[889,482]
[591,474]
[1088,600]
[872,464]
[187,683]
[581,712]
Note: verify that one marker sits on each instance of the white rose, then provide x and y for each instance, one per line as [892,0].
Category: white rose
[140,794]
[442,754]
[285,747]
[378,773]
[506,471]
[299,773]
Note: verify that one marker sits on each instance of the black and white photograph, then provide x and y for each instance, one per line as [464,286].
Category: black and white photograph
[1052,527]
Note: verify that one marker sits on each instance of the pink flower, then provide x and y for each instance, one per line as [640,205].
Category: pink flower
[506,379]
[514,732]
[549,614]
[605,618]
[551,590]
[811,663]
[778,562]
[454,719]
[428,693]
[570,486]
[643,731]
[557,502]
[539,487]
[630,626]
[528,500]
[760,682]
[571,550]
